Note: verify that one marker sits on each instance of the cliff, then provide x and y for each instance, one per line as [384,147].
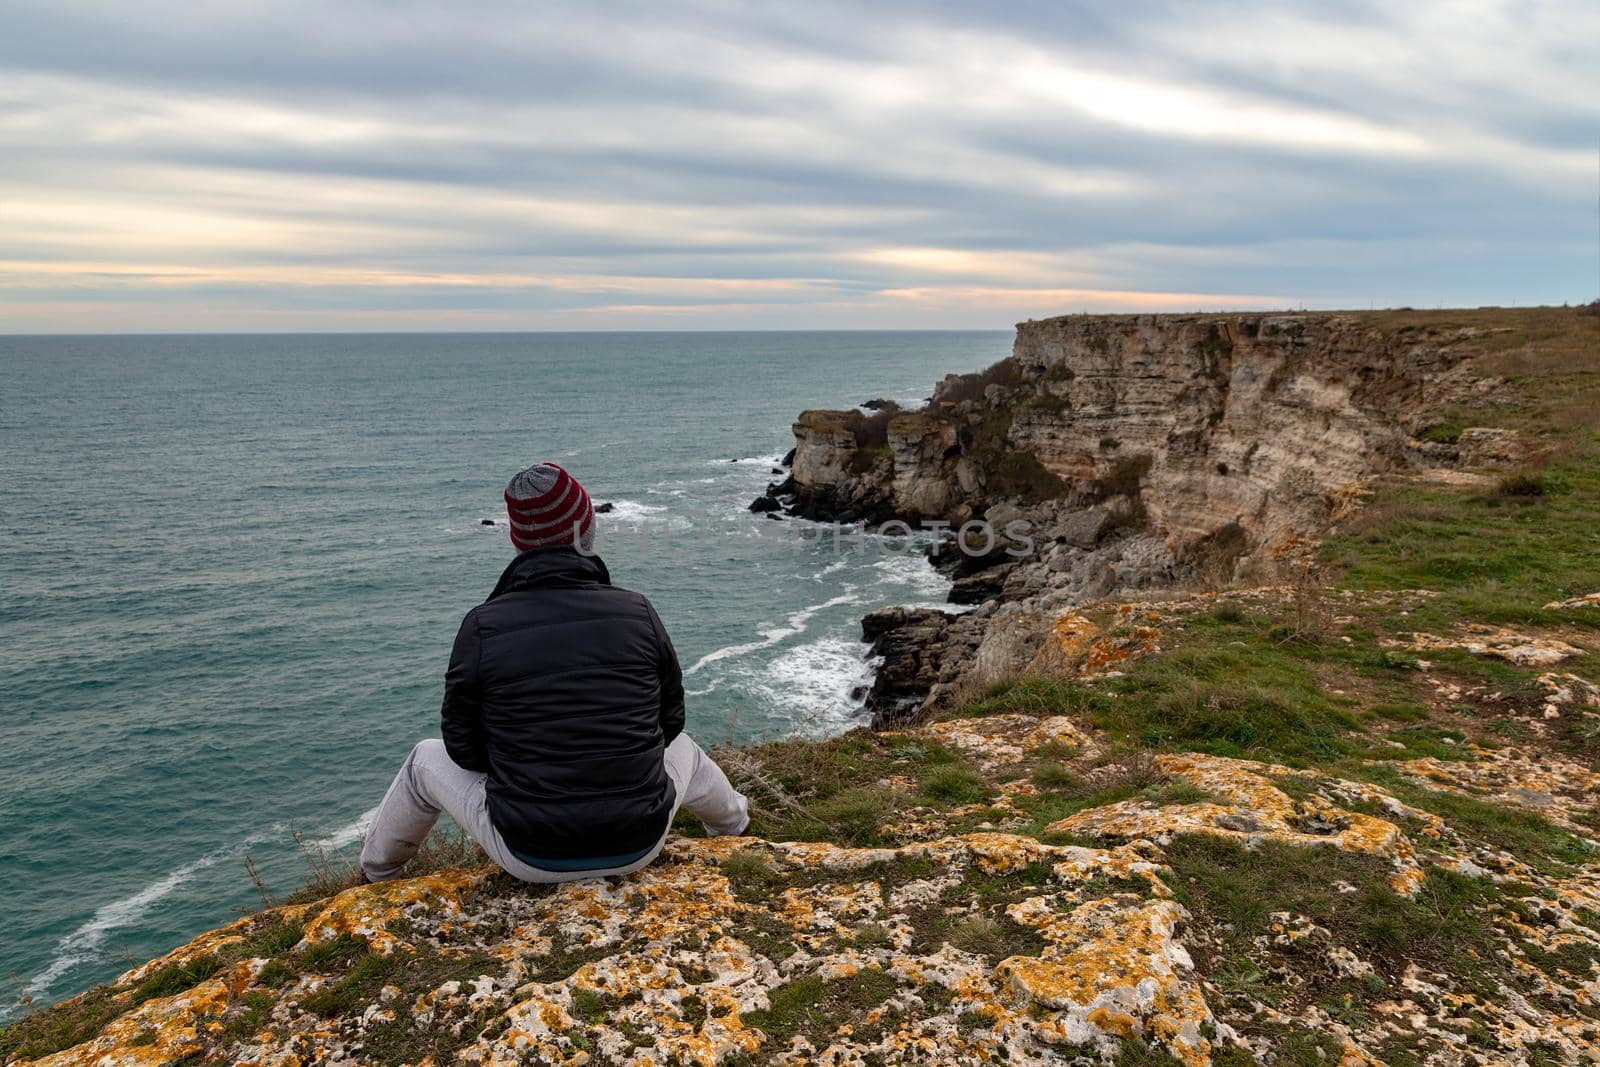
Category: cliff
[1139,452]
[1345,816]
[1210,421]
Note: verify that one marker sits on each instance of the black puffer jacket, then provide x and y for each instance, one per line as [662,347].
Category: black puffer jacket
[566,690]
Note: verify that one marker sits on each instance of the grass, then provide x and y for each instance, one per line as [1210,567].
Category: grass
[1526,835]
[1237,890]
[79,1019]
[814,1007]
[1243,695]
[955,785]
[175,979]
[1493,559]
[355,989]
[1050,774]
[835,790]
[61,1026]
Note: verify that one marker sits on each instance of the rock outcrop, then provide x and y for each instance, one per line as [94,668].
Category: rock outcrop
[1130,453]
[1208,423]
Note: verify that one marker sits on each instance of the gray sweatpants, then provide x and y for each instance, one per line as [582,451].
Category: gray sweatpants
[429,782]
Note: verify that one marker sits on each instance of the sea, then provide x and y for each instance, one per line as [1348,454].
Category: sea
[231,568]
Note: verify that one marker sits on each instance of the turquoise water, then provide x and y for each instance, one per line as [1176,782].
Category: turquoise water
[233,566]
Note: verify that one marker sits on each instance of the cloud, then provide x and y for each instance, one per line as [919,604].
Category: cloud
[400,164]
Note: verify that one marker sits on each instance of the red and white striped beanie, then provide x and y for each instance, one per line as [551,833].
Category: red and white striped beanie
[547,507]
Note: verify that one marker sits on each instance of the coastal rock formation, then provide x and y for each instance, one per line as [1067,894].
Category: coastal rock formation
[1242,428]
[1118,454]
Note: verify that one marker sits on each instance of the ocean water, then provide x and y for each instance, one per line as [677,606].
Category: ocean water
[231,569]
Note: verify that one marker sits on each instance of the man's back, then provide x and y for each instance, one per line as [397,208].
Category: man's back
[566,690]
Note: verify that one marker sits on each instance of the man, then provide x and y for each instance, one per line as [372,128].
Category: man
[564,754]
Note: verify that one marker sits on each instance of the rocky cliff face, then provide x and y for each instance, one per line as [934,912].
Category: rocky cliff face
[1209,422]
[1138,452]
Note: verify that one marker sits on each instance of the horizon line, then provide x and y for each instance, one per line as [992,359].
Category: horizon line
[774,330]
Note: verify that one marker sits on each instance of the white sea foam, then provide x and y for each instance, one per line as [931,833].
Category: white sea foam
[913,572]
[348,834]
[87,942]
[773,460]
[793,624]
[815,683]
[633,511]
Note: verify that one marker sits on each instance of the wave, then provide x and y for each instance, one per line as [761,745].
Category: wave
[349,833]
[631,514]
[816,683]
[913,572]
[85,944]
[772,460]
[793,624]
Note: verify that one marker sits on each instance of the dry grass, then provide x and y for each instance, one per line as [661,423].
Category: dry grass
[1298,568]
[329,872]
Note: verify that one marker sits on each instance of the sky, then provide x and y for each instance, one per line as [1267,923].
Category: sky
[208,165]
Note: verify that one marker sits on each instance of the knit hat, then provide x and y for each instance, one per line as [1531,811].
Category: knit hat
[548,507]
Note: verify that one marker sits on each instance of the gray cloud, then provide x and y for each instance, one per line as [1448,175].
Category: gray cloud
[392,164]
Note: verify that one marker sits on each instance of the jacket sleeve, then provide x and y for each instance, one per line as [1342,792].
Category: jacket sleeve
[462,715]
[671,676]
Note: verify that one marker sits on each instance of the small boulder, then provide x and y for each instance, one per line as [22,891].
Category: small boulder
[605,509]
[764,504]
[485,522]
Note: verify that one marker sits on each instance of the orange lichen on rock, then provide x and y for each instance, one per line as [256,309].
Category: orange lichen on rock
[1249,807]
[368,911]
[1088,650]
[1587,600]
[1568,691]
[1113,970]
[998,740]
[1534,781]
[159,1031]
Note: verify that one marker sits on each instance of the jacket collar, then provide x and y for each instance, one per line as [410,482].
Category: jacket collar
[539,568]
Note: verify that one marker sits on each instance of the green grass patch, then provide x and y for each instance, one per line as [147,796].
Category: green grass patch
[1251,699]
[61,1026]
[1449,926]
[176,978]
[1494,558]
[831,790]
[247,1017]
[355,989]
[955,785]
[1037,695]
[815,1008]
[1050,774]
